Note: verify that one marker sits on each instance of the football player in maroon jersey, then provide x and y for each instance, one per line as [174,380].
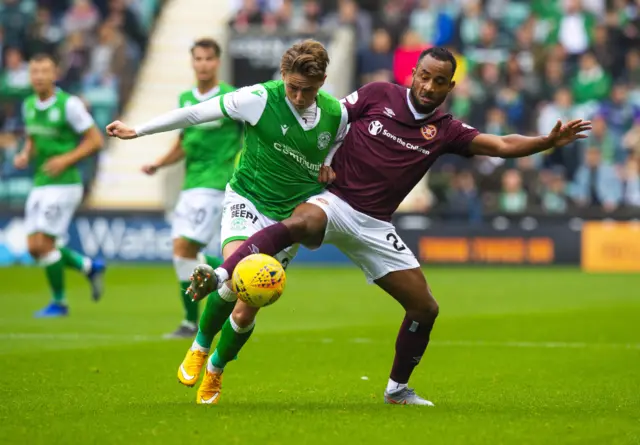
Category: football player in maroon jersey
[395,136]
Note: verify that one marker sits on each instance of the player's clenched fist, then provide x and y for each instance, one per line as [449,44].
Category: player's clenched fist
[326,175]
[120,130]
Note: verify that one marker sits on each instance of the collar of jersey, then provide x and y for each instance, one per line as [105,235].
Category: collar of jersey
[208,95]
[43,105]
[296,113]
[418,116]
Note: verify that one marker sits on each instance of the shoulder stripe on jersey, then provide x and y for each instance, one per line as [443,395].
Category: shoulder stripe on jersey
[224,110]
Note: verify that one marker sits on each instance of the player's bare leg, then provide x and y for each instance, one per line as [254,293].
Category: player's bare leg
[411,290]
[40,244]
[306,226]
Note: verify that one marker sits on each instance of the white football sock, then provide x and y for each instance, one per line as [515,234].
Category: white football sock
[227,294]
[184,267]
[394,386]
[222,274]
[86,264]
[239,329]
[212,368]
[50,258]
[195,346]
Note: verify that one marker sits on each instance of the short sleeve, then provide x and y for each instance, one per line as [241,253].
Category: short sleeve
[77,115]
[459,137]
[246,104]
[343,129]
[357,102]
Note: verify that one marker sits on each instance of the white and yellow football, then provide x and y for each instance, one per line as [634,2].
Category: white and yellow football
[259,280]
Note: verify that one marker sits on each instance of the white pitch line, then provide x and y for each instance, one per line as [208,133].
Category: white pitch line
[77,337]
[441,343]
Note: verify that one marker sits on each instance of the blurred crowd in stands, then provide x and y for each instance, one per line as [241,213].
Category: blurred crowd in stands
[98,45]
[522,65]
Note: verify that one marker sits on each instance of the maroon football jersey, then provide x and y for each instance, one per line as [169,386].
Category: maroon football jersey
[389,149]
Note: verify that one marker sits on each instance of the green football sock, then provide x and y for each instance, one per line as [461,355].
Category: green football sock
[230,343]
[74,260]
[190,306]
[54,269]
[213,261]
[216,312]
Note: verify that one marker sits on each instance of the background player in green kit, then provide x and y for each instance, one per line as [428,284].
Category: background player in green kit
[209,150]
[60,133]
[292,132]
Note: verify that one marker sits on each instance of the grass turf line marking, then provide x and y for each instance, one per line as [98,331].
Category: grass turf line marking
[452,343]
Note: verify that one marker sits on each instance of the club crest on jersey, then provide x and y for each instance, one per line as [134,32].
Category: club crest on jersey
[238,224]
[54,115]
[429,131]
[323,140]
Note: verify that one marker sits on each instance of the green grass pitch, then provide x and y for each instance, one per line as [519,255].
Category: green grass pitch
[519,356]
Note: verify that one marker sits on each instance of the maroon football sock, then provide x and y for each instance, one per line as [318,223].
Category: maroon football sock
[411,343]
[269,241]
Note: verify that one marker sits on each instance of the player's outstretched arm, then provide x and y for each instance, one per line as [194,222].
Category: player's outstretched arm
[175,154]
[180,118]
[245,104]
[517,146]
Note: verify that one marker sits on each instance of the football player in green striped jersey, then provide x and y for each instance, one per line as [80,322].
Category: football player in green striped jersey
[60,132]
[292,130]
